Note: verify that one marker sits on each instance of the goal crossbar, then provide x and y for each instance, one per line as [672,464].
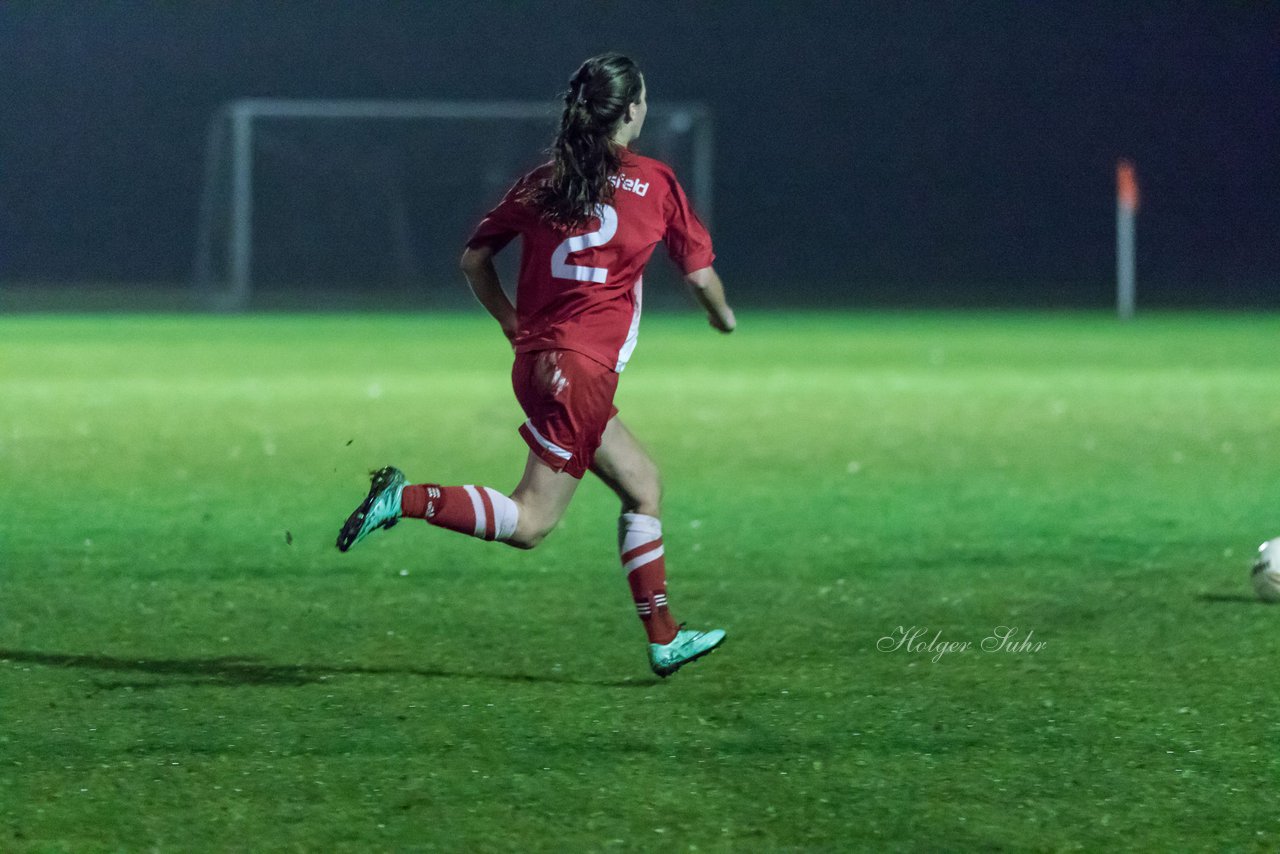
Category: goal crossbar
[237,118]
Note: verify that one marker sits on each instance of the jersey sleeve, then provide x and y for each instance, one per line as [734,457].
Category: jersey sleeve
[688,242]
[505,221]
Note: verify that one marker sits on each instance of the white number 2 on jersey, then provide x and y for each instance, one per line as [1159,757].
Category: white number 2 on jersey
[561,269]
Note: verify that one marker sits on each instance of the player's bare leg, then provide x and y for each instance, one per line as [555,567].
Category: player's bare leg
[624,465]
[541,497]
[626,468]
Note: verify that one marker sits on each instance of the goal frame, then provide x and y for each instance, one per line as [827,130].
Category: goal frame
[230,134]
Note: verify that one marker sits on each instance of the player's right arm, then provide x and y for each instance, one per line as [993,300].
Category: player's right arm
[708,290]
[482,276]
[498,228]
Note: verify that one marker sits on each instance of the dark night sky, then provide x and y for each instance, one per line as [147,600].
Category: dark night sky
[893,145]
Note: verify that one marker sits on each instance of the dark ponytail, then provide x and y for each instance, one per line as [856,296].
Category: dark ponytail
[584,155]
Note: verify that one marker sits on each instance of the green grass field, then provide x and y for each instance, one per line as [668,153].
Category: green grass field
[187,663]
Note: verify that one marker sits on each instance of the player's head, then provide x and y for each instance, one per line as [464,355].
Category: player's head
[604,109]
[607,94]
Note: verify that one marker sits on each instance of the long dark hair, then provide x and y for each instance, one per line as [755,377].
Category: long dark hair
[584,155]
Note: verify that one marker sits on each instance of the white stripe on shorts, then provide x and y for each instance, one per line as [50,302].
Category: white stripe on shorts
[546,443]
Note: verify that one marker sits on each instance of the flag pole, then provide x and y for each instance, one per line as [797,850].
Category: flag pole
[1126,214]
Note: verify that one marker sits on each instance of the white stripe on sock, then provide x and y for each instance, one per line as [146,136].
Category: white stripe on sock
[478,506]
[641,560]
[506,514]
[636,529]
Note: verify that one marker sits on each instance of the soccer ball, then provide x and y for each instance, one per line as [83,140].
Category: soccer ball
[1266,571]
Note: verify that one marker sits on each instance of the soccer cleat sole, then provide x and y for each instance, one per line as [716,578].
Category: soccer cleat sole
[350,533]
[665,672]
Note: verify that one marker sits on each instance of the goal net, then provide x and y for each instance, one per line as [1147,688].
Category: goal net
[309,201]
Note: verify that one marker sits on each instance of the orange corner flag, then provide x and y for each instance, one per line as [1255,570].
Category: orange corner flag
[1126,185]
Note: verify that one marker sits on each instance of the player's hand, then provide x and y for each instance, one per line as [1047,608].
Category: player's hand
[723,320]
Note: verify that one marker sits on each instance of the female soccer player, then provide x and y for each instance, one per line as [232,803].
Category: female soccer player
[589,220]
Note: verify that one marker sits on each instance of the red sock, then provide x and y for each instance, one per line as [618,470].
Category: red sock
[642,558]
[649,589]
[447,506]
[476,511]
[444,506]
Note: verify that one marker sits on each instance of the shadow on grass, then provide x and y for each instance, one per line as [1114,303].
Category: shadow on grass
[233,671]
[1231,598]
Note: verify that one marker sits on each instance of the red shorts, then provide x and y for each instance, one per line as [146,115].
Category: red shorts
[568,399]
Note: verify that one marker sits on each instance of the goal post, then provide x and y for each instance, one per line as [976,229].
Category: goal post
[460,155]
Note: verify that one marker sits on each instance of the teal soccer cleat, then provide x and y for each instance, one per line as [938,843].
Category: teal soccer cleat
[687,646]
[380,508]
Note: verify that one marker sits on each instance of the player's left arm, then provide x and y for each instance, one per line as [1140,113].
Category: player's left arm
[690,247]
[708,290]
[482,276]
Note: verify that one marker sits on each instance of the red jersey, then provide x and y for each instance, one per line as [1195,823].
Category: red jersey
[581,289]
